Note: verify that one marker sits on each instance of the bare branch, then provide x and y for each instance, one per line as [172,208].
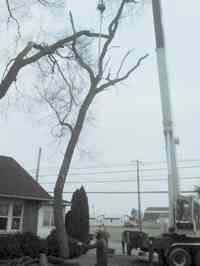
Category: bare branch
[112,28]
[112,82]
[132,1]
[12,17]
[11,75]
[79,58]
[43,2]
[72,99]
[47,3]
[68,125]
[24,52]
[22,60]
[60,120]
[7,66]
[63,56]
[122,63]
[61,44]
[106,64]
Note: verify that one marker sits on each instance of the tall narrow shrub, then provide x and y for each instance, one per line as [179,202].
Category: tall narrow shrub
[77,219]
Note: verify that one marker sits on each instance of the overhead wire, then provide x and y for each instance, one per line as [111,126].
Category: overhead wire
[116,165]
[119,181]
[120,171]
[128,192]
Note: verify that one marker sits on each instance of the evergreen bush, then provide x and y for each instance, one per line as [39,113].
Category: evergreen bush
[77,219]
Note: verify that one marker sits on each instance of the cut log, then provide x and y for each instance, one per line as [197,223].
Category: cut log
[43,260]
[55,260]
[31,262]
[70,262]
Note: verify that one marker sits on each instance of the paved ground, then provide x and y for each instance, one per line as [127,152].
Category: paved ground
[115,245]
[116,260]
[115,235]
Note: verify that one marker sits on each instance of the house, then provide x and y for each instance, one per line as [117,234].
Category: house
[45,217]
[24,204]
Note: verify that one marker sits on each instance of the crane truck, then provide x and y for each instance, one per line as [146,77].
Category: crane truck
[180,246]
[175,248]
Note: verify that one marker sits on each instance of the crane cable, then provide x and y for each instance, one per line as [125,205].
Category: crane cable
[101,7]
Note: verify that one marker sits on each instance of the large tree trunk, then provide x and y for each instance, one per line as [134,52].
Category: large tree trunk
[62,236]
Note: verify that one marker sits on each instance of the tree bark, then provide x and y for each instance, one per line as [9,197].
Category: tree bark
[62,236]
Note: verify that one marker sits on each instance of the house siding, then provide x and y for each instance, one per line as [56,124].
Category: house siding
[30,218]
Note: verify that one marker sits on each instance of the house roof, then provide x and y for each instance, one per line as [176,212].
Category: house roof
[16,182]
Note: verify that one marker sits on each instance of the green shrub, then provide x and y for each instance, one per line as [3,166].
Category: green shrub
[52,244]
[21,244]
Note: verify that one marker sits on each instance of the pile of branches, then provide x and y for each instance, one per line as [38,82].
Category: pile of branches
[25,261]
[43,260]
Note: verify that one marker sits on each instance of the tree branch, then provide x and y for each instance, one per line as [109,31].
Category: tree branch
[79,58]
[112,28]
[122,63]
[22,60]
[61,121]
[112,82]
[12,17]
[11,75]
[47,3]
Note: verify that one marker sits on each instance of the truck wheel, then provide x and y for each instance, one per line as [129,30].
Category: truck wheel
[197,258]
[179,257]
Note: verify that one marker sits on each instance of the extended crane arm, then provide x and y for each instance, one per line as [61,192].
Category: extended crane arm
[173,181]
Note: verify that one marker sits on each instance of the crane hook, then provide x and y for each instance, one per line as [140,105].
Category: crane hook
[101,6]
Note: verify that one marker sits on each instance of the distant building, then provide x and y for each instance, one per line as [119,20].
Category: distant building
[112,220]
[155,214]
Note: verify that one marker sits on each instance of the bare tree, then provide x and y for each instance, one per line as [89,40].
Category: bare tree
[99,80]
[70,102]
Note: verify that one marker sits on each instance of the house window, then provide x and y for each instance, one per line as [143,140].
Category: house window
[4,210]
[16,216]
[48,219]
[11,216]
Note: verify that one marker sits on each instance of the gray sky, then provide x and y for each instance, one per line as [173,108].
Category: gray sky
[128,121]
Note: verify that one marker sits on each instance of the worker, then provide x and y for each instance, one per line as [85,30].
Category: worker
[106,233]
[123,241]
[101,249]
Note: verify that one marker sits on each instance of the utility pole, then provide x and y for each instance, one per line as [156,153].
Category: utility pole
[173,181]
[38,164]
[138,193]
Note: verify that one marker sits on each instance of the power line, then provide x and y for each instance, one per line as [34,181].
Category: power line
[133,163]
[127,192]
[119,181]
[122,171]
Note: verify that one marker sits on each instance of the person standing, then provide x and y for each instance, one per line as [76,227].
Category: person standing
[101,249]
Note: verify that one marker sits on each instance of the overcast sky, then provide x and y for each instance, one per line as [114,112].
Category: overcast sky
[128,119]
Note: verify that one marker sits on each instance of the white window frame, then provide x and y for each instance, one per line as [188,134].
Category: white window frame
[3,216]
[10,217]
[51,220]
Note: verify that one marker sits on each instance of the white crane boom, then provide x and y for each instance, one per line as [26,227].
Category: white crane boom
[173,180]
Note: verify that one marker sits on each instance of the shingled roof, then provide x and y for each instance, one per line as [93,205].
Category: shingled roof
[16,182]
